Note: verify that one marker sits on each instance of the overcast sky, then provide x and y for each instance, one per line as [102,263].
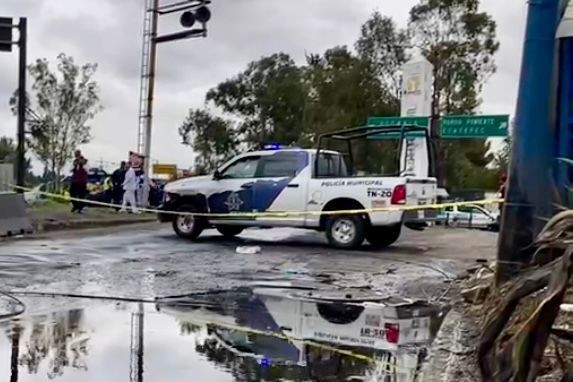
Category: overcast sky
[109,32]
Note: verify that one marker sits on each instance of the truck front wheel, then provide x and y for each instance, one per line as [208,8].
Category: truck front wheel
[382,237]
[345,231]
[188,226]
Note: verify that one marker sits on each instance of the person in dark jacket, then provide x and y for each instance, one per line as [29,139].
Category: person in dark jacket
[79,182]
[117,179]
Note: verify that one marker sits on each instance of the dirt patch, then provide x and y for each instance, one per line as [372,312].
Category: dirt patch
[470,315]
[52,216]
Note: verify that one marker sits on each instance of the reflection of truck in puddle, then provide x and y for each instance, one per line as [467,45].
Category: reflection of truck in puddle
[325,336]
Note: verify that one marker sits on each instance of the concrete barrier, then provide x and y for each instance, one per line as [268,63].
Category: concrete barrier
[14,219]
[6,176]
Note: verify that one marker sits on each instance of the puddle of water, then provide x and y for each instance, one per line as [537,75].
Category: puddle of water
[239,335]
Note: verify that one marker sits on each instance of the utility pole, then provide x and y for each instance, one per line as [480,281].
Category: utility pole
[192,11]
[529,202]
[21,156]
[151,85]
[6,43]
[14,355]
[136,346]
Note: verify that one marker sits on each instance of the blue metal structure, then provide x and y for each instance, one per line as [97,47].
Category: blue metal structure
[564,173]
[529,198]
[564,147]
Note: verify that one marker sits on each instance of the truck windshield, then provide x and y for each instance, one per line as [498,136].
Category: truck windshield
[330,166]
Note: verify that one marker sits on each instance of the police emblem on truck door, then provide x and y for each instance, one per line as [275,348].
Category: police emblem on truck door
[234,202]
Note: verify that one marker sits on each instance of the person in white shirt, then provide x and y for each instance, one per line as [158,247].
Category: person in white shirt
[130,185]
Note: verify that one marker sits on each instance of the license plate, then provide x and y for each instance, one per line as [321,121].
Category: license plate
[421,214]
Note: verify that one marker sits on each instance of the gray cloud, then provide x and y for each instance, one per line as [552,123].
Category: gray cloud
[109,32]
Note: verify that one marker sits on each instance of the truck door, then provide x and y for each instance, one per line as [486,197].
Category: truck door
[233,189]
[281,186]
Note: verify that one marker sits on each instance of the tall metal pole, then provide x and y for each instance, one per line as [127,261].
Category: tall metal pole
[529,196]
[151,87]
[136,345]
[140,343]
[21,151]
[14,355]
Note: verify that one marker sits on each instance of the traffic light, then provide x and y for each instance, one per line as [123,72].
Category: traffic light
[6,34]
[187,19]
[201,14]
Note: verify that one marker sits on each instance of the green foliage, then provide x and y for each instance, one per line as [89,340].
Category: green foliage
[383,47]
[212,138]
[502,157]
[63,103]
[275,100]
[269,98]
[460,42]
[344,91]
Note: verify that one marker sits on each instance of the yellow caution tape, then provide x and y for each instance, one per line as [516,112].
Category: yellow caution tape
[273,214]
[285,337]
[390,367]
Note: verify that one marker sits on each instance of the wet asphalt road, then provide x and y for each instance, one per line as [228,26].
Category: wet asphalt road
[150,261]
[80,339]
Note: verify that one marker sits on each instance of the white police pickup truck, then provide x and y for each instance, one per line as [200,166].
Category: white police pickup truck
[298,180]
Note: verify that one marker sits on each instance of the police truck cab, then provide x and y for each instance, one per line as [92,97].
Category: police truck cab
[305,188]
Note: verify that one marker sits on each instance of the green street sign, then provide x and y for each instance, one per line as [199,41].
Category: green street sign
[389,121]
[393,121]
[474,126]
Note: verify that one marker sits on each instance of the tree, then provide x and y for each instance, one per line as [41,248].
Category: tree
[501,158]
[383,46]
[460,42]
[212,138]
[278,101]
[344,91]
[61,107]
[269,98]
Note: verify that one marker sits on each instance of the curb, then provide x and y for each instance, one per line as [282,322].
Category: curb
[51,226]
[454,348]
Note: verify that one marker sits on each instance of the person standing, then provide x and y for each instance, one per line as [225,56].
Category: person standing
[502,191]
[117,179]
[79,182]
[130,185]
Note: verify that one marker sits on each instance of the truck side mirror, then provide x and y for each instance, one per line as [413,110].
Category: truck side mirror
[216,175]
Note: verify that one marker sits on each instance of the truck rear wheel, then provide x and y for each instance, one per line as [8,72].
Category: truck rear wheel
[345,231]
[188,226]
[382,237]
[229,231]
